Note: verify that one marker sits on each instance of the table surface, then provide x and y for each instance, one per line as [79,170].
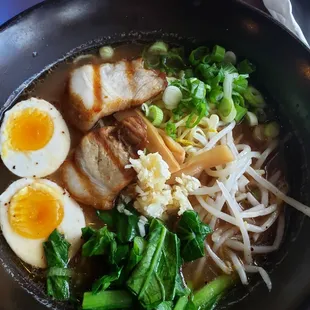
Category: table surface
[12,296]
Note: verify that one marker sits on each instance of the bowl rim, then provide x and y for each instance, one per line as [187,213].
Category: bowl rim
[44,301]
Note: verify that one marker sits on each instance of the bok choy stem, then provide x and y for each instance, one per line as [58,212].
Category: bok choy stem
[107,300]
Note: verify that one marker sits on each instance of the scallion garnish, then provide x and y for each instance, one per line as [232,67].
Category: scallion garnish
[240,112]
[106,52]
[271,130]
[218,53]
[158,48]
[155,115]
[254,97]
[171,130]
[246,67]
[171,97]
[197,55]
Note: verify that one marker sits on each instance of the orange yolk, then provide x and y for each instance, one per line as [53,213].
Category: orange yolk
[34,212]
[30,130]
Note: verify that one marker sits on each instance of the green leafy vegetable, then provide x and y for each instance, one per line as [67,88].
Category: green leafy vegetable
[124,223]
[165,305]
[104,282]
[118,253]
[185,303]
[99,243]
[210,294]
[56,253]
[107,300]
[136,253]
[88,232]
[192,233]
[154,278]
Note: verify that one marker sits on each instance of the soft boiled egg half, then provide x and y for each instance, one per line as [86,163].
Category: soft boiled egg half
[34,139]
[30,210]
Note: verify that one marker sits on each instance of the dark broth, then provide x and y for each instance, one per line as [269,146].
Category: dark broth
[52,87]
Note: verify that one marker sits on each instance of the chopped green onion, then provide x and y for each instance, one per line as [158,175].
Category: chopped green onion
[207,59]
[240,112]
[151,61]
[156,115]
[254,97]
[171,130]
[107,300]
[227,110]
[230,57]
[229,68]
[252,119]
[145,109]
[216,95]
[197,55]
[261,115]
[272,130]
[158,48]
[106,52]
[238,99]
[207,72]
[218,53]
[181,303]
[240,84]
[246,67]
[171,97]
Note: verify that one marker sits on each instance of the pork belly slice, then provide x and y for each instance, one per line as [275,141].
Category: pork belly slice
[96,91]
[97,172]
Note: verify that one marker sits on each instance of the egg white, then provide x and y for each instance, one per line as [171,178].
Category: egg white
[31,250]
[42,162]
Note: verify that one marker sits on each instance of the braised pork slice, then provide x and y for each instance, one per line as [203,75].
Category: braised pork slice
[100,90]
[97,172]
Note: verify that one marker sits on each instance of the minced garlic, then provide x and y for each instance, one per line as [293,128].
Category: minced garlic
[154,195]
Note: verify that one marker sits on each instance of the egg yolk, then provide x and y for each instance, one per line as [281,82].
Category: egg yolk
[30,130]
[34,212]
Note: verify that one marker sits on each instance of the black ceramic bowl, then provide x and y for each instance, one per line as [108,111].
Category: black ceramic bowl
[56,29]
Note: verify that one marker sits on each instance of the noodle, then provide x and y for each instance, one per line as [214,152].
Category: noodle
[245,235]
[269,186]
[217,260]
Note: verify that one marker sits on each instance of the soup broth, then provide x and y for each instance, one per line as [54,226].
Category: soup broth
[225,244]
